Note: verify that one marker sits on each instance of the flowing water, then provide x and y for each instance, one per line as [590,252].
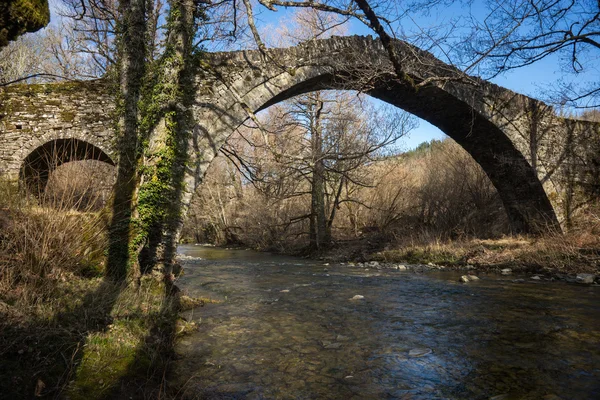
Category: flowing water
[288,328]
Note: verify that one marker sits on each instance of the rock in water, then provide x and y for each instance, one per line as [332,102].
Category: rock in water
[419,352]
[473,277]
[506,271]
[585,278]
[464,279]
[358,297]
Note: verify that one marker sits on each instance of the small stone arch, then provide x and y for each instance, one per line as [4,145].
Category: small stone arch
[40,161]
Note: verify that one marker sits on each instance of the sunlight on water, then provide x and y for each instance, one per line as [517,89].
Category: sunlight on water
[294,328]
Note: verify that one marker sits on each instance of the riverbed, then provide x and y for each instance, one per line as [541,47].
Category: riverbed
[289,328]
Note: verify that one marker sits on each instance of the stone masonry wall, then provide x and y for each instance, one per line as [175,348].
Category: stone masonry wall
[32,115]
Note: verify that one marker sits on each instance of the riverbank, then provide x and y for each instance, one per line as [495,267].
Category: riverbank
[556,257]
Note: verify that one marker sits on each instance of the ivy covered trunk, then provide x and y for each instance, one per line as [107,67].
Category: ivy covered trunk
[166,127]
[155,124]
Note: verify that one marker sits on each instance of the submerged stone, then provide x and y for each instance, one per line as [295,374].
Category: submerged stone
[419,352]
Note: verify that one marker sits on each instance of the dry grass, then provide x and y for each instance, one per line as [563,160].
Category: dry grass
[570,253]
[41,246]
[64,330]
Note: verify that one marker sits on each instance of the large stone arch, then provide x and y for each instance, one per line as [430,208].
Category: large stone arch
[493,124]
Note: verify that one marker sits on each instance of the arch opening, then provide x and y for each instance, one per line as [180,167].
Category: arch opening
[524,198]
[82,176]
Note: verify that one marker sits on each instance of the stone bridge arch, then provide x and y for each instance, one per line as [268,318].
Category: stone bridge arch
[44,126]
[508,134]
[39,163]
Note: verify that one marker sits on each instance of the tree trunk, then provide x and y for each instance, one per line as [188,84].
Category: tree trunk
[131,47]
[169,123]
[319,230]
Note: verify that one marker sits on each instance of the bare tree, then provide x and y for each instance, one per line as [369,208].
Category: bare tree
[518,33]
[315,147]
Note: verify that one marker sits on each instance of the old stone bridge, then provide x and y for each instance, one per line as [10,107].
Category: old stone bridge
[523,146]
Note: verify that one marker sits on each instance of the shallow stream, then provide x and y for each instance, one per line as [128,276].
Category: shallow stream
[288,328]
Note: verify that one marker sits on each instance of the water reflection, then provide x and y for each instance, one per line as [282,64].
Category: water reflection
[288,328]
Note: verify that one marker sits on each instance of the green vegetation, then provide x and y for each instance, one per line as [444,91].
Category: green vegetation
[20,16]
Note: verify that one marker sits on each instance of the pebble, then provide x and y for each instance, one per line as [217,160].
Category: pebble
[357,297]
[468,278]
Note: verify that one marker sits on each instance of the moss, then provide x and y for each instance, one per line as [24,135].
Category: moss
[86,331]
[108,357]
[164,129]
[424,255]
[20,16]
[189,303]
[99,86]
[67,116]
[129,348]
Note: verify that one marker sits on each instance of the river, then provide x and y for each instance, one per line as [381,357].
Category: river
[289,328]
